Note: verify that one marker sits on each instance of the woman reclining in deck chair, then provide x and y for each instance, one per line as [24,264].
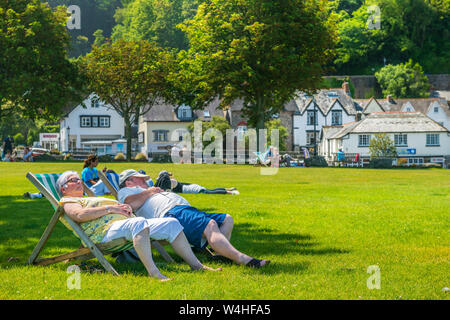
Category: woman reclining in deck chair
[105,219]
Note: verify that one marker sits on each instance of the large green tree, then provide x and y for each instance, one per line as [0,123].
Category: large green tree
[416,29]
[131,76]
[405,80]
[155,20]
[36,77]
[258,50]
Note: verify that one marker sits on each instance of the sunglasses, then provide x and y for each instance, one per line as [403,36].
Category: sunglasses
[74,180]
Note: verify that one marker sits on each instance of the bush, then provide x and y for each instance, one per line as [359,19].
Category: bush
[161,158]
[105,158]
[317,161]
[141,157]
[402,161]
[44,158]
[55,151]
[381,163]
[120,157]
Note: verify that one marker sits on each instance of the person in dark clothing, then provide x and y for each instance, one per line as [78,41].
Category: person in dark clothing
[166,182]
[7,146]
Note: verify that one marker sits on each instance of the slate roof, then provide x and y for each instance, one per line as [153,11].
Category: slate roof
[325,99]
[162,112]
[419,104]
[388,122]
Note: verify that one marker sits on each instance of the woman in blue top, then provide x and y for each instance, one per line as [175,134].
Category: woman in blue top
[90,173]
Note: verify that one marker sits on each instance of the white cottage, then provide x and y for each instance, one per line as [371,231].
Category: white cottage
[417,138]
[329,107]
[97,127]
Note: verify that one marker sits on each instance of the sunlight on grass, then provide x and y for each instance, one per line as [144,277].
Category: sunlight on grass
[321,228]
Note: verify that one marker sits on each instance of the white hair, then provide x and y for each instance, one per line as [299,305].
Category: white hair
[62,180]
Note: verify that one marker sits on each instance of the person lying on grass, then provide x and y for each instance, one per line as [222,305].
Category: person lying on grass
[200,228]
[105,219]
[166,182]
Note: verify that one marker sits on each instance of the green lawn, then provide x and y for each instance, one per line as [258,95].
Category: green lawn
[321,228]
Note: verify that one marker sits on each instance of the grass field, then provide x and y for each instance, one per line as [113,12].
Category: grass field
[321,227]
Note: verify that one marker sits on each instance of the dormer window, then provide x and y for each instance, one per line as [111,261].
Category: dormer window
[332,94]
[95,103]
[206,114]
[184,112]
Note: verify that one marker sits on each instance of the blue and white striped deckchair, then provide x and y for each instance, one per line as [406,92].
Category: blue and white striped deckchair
[111,181]
[46,184]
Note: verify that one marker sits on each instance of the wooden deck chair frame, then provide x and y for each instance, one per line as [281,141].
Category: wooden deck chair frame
[90,251]
[158,245]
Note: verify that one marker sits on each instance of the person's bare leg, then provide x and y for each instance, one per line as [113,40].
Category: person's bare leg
[141,243]
[227,226]
[183,249]
[222,246]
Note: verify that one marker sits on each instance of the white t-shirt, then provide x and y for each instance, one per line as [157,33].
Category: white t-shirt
[157,205]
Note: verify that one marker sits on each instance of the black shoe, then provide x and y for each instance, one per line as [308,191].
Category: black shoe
[27,195]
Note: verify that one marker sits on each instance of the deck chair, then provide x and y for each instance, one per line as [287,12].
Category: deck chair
[46,184]
[263,157]
[111,180]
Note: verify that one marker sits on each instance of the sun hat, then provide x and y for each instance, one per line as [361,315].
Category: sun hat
[124,175]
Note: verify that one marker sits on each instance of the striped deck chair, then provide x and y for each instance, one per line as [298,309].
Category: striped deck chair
[46,184]
[111,180]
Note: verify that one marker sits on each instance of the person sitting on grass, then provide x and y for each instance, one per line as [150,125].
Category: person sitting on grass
[105,219]
[165,181]
[200,228]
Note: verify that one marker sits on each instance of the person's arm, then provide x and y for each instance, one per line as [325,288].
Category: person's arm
[137,200]
[79,214]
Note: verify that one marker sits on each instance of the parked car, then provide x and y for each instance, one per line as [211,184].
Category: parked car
[38,151]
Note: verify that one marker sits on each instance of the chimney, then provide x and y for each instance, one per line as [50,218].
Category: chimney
[346,88]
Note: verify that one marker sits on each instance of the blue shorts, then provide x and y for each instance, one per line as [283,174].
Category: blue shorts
[194,222]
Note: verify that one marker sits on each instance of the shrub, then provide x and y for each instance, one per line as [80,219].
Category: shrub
[44,158]
[105,158]
[317,161]
[380,163]
[141,157]
[402,161]
[120,157]
[161,158]
[55,151]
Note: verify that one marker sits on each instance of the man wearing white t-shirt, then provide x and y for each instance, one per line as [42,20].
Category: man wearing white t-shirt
[200,228]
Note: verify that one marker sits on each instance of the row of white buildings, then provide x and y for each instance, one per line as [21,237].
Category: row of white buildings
[419,127]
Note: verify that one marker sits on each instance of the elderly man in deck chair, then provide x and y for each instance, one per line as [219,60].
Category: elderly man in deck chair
[105,219]
[200,228]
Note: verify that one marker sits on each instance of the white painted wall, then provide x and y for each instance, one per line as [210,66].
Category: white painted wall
[300,123]
[115,131]
[440,116]
[415,141]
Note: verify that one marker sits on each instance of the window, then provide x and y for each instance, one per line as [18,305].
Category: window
[363,140]
[206,114]
[336,118]
[412,161]
[310,137]
[436,109]
[401,140]
[95,121]
[160,135]
[432,139]
[184,112]
[104,122]
[311,118]
[85,121]
[95,103]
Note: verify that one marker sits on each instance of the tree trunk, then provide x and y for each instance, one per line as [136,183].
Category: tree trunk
[259,121]
[126,118]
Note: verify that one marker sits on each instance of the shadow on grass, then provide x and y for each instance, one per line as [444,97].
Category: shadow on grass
[22,222]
